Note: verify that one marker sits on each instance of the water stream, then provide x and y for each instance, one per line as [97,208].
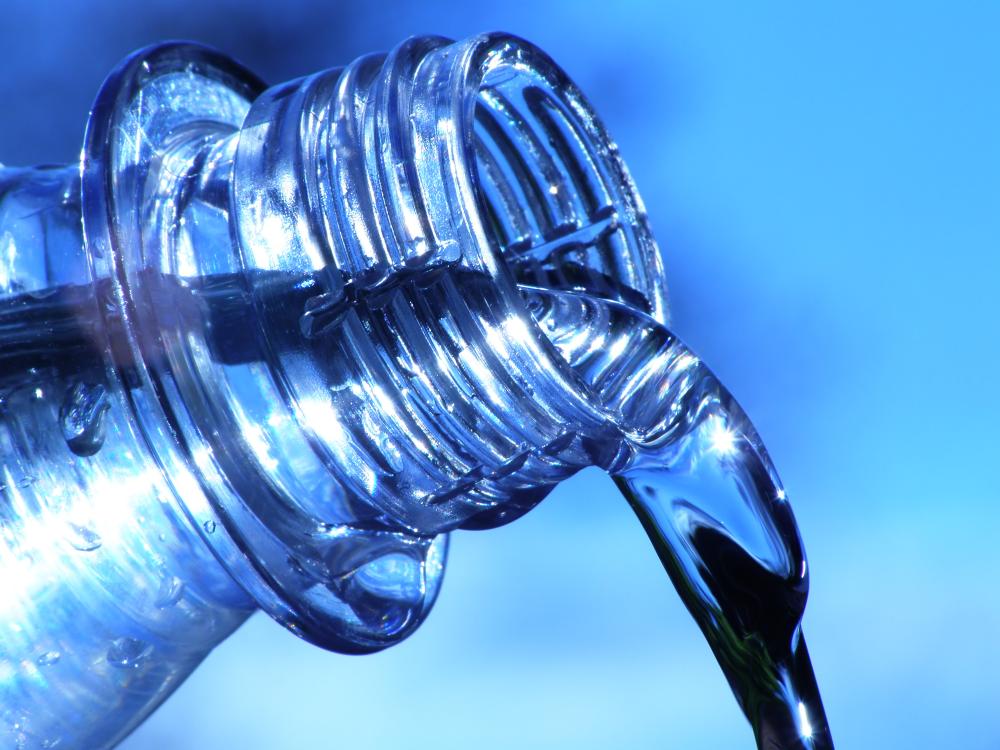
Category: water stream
[697,475]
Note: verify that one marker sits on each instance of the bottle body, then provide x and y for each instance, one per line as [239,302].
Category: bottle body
[109,596]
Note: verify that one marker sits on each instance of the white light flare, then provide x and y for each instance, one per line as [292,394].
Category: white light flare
[721,438]
[805,726]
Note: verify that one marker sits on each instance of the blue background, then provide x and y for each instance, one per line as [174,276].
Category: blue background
[824,179]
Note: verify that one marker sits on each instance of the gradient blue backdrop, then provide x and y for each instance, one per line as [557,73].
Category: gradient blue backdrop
[824,179]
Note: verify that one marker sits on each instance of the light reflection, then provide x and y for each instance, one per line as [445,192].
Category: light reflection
[516,329]
[481,374]
[685,362]
[325,419]
[29,565]
[258,441]
[273,240]
[8,254]
[805,727]
[496,340]
[722,439]
[414,229]
[617,347]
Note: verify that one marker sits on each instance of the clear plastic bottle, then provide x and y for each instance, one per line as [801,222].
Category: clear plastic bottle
[266,347]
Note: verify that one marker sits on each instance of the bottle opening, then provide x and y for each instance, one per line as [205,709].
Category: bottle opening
[555,196]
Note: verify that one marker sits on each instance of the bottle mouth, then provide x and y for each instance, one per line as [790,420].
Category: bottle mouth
[556,200]
[555,206]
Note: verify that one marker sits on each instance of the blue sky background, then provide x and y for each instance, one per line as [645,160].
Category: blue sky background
[824,180]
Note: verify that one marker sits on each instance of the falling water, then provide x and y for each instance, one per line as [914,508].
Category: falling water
[695,472]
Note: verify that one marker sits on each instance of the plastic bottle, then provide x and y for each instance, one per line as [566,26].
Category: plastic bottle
[265,347]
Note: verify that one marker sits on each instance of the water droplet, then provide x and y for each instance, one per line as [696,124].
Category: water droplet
[391,454]
[397,576]
[82,418]
[209,526]
[48,658]
[83,538]
[171,590]
[128,653]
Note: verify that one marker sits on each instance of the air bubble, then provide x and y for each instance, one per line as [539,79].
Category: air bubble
[82,418]
[48,658]
[83,538]
[171,591]
[128,653]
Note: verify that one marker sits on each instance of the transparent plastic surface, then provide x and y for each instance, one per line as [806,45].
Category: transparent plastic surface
[304,333]
[108,599]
